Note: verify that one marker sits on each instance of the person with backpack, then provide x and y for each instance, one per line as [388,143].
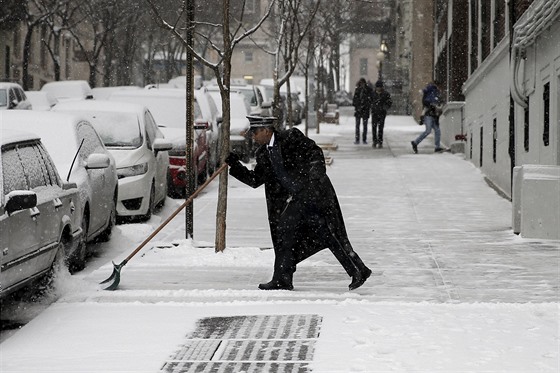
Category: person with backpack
[381,102]
[362,105]
[433,104]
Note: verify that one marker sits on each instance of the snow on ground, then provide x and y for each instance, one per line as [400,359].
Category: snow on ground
[425,309]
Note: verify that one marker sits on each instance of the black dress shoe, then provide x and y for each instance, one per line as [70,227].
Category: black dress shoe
[276,285]
[359,280]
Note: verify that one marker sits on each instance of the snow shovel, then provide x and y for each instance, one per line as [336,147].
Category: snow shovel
[116,275]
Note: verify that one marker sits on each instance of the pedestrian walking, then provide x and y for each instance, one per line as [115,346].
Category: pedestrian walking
[380,103]
[362,106]
[432,107]
[303,210]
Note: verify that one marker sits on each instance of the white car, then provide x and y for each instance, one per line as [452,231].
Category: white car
[130,133]
[12,96]
[39,213]
[69,90]
[255,94]
[239,140]
[40,100]
[168,107]
[80,157]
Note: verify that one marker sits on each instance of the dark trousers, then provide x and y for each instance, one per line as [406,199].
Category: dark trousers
[316,229]
[377,124]
[363,120]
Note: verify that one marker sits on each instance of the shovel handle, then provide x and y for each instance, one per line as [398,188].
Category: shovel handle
[183,205]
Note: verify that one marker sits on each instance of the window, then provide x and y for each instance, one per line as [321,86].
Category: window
[363,66]
[33,167]
[248,56]
[494,139]
[526,129]
[481,144]
[485,28]
[12,171]
[92,143]
[52,173]
[26,167]
[470,145]
[546,114]
[499,21]
[473,35]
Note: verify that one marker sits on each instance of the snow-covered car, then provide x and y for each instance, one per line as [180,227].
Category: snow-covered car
[255,94]
[211,115]
[40,100]
[80,157]
[239,140]
[12,96]
[168,106]
[39,213]
[103,93]
[69,90]
[131,135]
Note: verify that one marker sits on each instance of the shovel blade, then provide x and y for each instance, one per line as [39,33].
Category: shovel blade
[115,277]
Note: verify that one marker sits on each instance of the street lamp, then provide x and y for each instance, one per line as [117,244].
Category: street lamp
[383,49]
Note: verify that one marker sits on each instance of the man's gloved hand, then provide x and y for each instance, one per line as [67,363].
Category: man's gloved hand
[232,159]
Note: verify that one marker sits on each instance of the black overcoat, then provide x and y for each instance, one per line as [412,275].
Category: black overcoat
[310,189]
[381,102]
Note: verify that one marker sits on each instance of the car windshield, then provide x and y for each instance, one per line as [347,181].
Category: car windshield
[118,130]
[249,94]
[3,97]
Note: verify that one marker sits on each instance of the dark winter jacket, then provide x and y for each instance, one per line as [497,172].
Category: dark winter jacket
[308,186]
[362,101]
[381,102]
[432,101]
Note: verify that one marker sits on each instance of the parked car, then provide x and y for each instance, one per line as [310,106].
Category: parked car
[12,96]
[255,94]
[39,213]
[211,115]
[69,90]
[40,100]
[342,98]
[168,106]
[239,140]
[103,93]
[80,157]
[131,135]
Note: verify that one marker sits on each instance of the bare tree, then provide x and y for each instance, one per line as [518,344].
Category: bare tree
[292,23]
[36,14]
[232,33]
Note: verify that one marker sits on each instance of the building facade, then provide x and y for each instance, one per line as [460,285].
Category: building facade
[503,99]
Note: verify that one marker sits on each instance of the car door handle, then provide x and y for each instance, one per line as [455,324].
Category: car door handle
[34,213]
[57,203]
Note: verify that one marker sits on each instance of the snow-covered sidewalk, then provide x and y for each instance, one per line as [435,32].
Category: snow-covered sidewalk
[453,289]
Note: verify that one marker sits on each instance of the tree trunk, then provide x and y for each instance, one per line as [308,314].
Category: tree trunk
[221,212]
[26,57]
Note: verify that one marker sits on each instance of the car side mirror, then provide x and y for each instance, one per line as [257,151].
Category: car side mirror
[20,200]
[97,161]
[161,145]
[220,119]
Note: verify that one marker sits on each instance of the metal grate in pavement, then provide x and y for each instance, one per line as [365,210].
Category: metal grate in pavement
[263,343]
[220,367]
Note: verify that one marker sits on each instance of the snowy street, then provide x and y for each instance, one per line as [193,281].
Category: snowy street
[452,290]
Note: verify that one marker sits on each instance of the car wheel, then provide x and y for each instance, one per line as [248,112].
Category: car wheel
[151,204]
[106,234]
[45,284]
[201,178]
[77,259]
